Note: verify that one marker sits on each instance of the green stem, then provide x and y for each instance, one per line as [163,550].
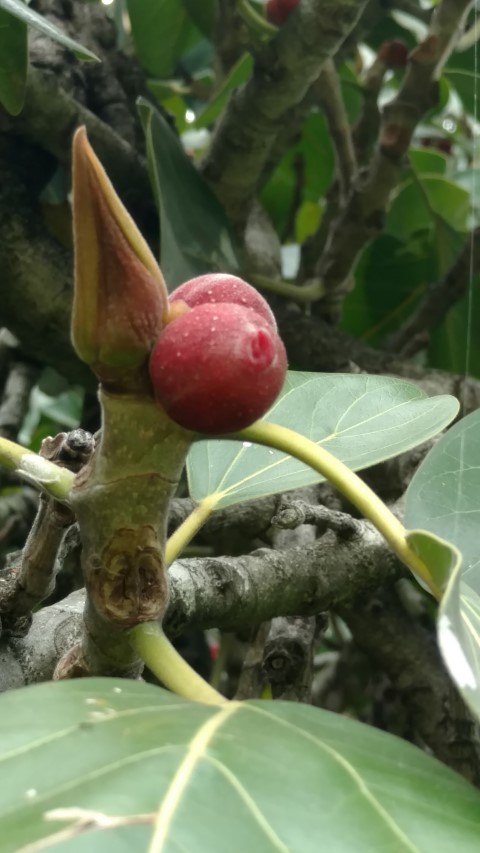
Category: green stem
[309,292]
[187,530]
[174,672]
[53,479]
[357,492]
[256,22]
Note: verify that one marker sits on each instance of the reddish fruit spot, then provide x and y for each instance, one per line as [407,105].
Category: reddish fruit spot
[394,53]
[277,11]
[262,349]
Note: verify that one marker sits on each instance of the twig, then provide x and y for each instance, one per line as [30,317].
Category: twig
[21,378]
[327,90]
[365,130]
[32,579]
[291,514]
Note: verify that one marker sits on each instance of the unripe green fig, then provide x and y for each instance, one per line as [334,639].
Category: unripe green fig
[221,287]
[217,368]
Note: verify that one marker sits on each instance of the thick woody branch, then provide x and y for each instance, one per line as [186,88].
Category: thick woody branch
[49,118]
[408,653]
[231,593]
[283,72]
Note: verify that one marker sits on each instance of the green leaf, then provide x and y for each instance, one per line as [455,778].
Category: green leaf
[465,84]
[162,32]
[390,279]
[202,14]
[440,557]
[13,62]
[469,179]
[425,160]
[116,765]
[361,419]
[38,22]
[418,202]
[238,74]
[458,625]
[300,168]
[443,497]
[194,232]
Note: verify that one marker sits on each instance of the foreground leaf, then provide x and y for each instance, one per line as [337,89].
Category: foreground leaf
[38,22]
[360,419]
[116,765]
[444,498]
[195,236]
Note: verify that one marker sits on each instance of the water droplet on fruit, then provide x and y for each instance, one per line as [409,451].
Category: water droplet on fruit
[246,443]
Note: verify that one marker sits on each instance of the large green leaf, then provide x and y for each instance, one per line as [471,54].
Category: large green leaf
[194,231]
[360,419]
[428,161]
[162,32]
[418,203]
[444,498]
[38,22]
[13,62]
[444,494]
[373,310]
[466,86]
[238,74]
[108,765]
[202,14]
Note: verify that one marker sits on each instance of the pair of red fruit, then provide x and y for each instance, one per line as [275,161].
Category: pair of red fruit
[219,363]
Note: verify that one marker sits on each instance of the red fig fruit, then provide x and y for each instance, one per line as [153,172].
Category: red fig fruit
[277,11]
[218,367]
[220,287]
[394,53]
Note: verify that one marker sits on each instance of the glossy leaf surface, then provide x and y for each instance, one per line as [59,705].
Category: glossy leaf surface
[444,498]
[33,19]
[360,419]
[106,765]
[194,232]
